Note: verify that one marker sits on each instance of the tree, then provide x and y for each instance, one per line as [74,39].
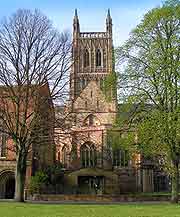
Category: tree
[34,64]
[150,81]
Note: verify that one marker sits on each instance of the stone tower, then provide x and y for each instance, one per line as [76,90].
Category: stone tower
[92,56]
[93,112]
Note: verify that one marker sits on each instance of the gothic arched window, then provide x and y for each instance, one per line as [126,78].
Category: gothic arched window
[64,156]
[98,58]
[86,58]
[88,155]
[92,120]
[120,158]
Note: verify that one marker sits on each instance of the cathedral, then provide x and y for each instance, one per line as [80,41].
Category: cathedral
[90,163]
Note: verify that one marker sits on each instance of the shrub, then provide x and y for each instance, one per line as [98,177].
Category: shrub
[55,173]
[37,182]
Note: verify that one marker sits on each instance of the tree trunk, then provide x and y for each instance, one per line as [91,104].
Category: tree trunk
[20,177]
[175,184]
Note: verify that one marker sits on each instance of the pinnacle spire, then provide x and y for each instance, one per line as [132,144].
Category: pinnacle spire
[108,19]
[109,23]
[108,14]
[76,14]
[76,22]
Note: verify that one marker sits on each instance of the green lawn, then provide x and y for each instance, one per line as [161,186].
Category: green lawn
[50,210]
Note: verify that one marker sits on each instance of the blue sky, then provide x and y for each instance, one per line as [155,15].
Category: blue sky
[126,14]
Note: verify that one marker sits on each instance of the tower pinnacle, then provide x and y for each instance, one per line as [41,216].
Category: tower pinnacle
[75,14]
[109,23]
[108,15]
[76,22]
[108,19]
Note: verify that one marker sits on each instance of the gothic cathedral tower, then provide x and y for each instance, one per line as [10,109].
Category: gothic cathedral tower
[92,63]
[92,56]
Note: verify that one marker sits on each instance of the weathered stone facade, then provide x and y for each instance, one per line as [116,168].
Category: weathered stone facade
[87,157]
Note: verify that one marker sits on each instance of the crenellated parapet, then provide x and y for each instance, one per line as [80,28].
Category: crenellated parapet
[93,35]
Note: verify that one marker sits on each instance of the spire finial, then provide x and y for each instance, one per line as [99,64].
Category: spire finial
[109,23]
[76,22]
[108,19]
[108,14]
[76,14]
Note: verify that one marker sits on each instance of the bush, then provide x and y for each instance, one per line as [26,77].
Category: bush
[55,173]
[37,182]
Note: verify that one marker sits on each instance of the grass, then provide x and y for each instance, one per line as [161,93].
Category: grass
[123,210]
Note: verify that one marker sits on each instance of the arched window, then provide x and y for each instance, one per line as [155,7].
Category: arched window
[120,158]
[86,58]
[64,156]
[88,155]
[98,58]
[92,120]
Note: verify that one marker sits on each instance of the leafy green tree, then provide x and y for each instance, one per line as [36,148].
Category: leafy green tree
[109,84]
[150,81]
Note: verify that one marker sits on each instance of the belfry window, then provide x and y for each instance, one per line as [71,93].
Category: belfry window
[88,155]
[98,58]
[86,58]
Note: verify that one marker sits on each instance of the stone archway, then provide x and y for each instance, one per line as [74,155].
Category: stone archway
[7,184]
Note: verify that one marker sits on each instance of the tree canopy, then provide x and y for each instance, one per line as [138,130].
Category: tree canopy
[151,81]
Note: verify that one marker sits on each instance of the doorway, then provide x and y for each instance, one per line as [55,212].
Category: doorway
[91,184]
[10,188]
[7,185]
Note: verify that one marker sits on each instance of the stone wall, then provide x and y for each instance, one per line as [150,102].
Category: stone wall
[98,198]
[7,165]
